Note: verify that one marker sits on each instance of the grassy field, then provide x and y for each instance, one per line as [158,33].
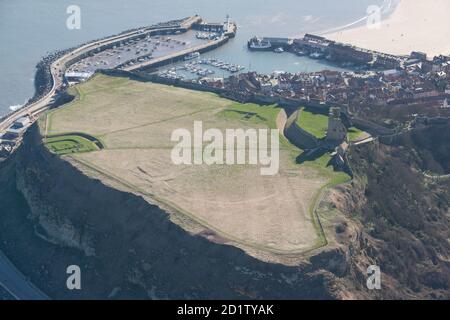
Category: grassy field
[355,134]
[252,113]
[314,123]
[70,144]
[134,121]
[317,124]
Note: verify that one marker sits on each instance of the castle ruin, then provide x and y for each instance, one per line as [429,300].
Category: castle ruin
[337,132]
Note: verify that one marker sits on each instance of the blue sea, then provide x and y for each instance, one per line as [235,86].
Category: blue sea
[29,29]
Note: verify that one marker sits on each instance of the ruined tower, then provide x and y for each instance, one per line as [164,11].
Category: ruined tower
[337,132]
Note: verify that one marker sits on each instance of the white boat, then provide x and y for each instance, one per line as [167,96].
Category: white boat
[279,50]
[193,55]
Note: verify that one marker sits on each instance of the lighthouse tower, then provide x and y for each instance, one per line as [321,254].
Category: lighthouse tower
[226,26]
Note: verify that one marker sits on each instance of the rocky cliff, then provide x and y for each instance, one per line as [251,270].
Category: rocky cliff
[53,216]
[405,216]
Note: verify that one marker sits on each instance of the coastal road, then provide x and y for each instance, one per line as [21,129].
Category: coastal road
[15,283]
[58,69]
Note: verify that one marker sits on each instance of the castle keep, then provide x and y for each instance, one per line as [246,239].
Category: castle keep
[337,132]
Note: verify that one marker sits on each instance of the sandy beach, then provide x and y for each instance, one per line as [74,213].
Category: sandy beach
[415,25]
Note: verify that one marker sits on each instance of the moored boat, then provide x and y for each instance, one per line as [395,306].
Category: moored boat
[192,55]
[258,44]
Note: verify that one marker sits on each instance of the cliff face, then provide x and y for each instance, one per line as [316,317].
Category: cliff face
[53,216]
[405,215]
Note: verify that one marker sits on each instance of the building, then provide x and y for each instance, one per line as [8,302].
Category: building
[279,42]
[347,53]
[17,129]
[388,62]
[22,122]
[418,55]
[337,132]
[77,76]
[14,133]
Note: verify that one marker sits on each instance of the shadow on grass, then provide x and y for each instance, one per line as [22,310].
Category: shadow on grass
[312,155]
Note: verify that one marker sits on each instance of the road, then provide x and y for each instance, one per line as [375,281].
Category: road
[15,283]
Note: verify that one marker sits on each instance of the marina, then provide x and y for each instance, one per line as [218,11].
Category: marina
[200,68]
[141,48]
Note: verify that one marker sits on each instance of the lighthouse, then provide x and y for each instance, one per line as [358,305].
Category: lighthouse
[226,26]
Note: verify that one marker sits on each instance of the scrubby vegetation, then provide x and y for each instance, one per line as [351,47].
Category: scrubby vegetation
[408,215]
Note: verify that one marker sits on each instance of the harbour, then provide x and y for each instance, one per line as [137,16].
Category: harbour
[17,84]
[183,42]
[79,64]
[319,48]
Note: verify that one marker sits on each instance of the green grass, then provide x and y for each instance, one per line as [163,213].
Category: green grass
[253,114]
[258,114]
[69,144]
[354,134]
[314,123]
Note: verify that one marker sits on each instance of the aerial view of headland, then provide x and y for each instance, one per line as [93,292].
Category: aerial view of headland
[202,151]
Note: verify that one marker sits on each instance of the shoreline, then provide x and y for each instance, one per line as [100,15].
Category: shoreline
[415,25]
[387,9]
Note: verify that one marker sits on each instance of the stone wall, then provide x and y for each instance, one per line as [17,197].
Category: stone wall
[297,136]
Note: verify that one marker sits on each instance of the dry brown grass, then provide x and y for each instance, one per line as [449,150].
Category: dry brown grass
[238,204]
